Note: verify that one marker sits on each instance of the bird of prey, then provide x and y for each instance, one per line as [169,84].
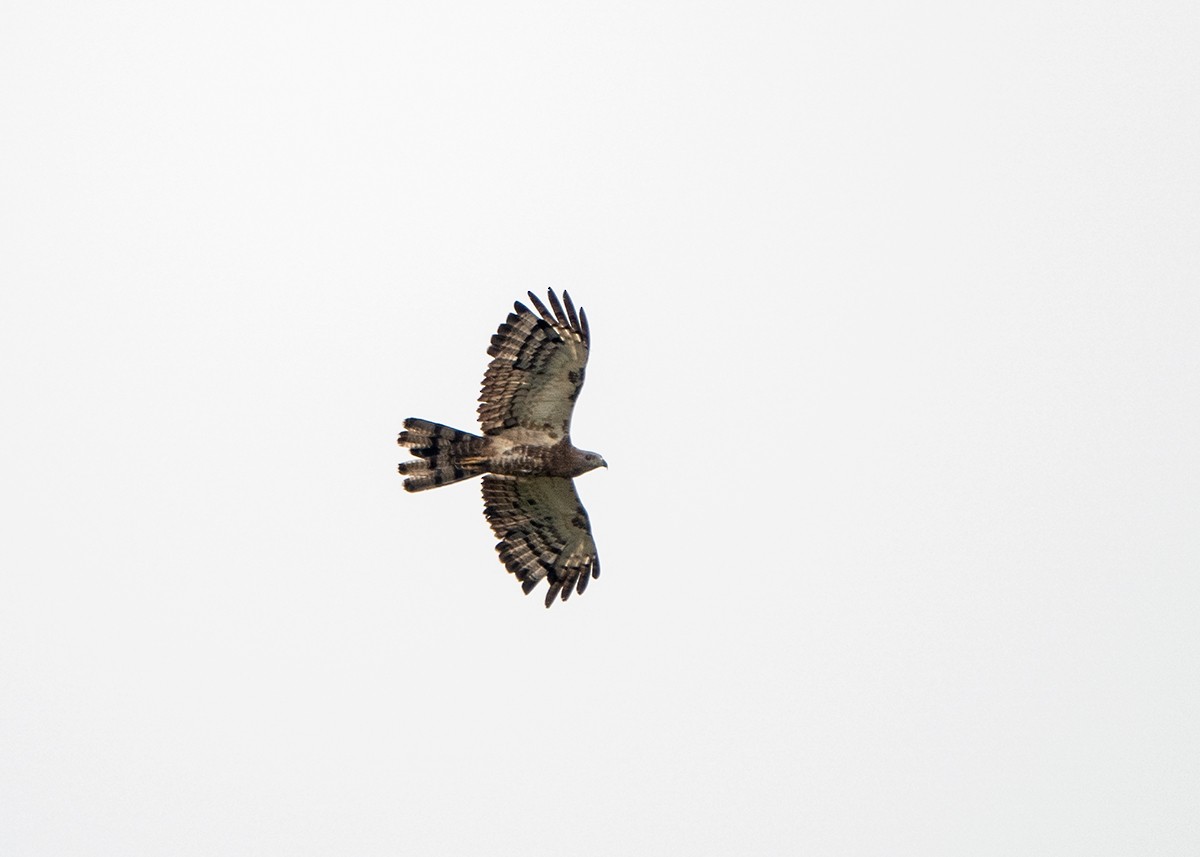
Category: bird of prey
[525,451]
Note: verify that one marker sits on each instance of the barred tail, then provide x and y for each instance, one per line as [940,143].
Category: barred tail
[445,455]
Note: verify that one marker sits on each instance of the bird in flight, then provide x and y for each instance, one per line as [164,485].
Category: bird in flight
[525,452]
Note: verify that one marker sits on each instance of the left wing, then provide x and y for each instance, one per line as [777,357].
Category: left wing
[543,531]
[536,370]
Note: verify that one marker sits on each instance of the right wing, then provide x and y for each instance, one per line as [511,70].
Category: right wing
[543,531]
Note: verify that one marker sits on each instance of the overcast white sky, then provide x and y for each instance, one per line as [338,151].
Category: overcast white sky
[896,312]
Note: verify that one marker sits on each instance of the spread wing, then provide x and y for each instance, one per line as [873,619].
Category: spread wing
[543,531]
[537,368]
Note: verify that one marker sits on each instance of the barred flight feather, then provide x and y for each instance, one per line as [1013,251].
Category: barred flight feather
[449,455]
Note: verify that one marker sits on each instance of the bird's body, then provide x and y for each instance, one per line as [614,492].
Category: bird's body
[534,459]
[525,451]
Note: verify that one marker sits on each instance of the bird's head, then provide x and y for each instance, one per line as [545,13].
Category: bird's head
[590,461]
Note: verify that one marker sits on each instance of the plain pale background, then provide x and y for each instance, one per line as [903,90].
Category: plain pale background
[895,313]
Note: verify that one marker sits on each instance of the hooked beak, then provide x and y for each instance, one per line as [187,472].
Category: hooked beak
[603,463]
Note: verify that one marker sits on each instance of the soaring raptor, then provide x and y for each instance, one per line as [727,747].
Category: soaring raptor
[529,497]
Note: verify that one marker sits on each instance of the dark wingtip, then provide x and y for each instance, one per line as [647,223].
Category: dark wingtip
[541,307]
[558,309]
[571,314]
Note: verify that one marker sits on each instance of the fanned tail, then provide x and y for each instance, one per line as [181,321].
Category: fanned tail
[444,454]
